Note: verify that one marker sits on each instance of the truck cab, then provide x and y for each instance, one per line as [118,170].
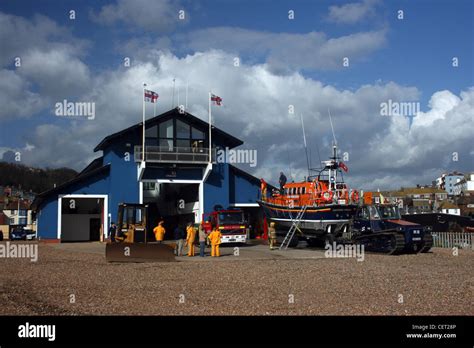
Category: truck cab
[230,222]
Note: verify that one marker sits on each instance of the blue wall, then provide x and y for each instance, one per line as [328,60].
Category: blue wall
[124,187]
[242,189]
[216,187]
[48,214]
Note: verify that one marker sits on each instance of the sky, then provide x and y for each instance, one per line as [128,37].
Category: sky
[349,57]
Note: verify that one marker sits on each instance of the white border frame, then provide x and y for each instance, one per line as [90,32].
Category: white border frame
[244,205]
[106,210]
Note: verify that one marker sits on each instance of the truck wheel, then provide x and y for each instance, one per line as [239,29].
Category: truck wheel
[328,239]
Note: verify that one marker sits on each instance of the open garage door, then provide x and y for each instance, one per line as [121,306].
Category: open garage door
[82,219]
[176,203]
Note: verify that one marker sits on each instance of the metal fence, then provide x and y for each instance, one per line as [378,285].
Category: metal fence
[453,239]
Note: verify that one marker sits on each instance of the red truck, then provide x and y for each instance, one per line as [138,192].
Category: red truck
[230,222]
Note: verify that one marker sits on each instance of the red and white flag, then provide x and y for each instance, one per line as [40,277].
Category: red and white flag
[343,166]
[150,96]
[216,99]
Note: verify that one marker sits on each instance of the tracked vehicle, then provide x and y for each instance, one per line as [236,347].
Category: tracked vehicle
[380,229]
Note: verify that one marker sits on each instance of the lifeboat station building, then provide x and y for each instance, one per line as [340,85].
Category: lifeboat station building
[180,180]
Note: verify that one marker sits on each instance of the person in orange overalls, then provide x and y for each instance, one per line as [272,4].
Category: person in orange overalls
[159,232]
[215,238]
[191,236]
[263,189]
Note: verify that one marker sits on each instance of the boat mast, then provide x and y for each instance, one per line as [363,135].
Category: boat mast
[305,147]
[334,155]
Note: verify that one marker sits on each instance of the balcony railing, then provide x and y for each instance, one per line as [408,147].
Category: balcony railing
[165,154]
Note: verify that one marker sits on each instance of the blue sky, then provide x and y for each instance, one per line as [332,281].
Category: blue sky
[409,59]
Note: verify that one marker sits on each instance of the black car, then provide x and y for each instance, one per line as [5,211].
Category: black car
[21,233]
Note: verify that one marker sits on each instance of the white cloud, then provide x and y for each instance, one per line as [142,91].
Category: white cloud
[19,35]
[286,52]
[157,16]
[353,12]
[16,100]
[383,150]
[50,65]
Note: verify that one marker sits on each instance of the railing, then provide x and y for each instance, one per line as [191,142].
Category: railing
[174,154]
[461,240]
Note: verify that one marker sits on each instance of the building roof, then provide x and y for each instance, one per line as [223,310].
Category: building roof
[95,164]
[250,177]
[420,190]
[231,140]
[78,178]
[447,205]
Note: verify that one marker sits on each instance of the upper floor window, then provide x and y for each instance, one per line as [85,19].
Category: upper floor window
[183,130]
[166,129]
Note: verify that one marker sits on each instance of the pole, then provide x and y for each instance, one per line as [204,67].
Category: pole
[172,100]
[143,124]
[210,129]
[186,99]
[305,147]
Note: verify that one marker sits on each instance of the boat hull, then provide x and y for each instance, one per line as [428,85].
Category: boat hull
[315,221]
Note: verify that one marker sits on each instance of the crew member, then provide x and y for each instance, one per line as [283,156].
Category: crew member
[159,232]
[273,236]
[112,232]
[202,240]
[215,238]
[179,236]
[191,235]
[263,189]
[282,181]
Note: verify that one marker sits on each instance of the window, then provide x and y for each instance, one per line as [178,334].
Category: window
[182,130]
[197,134]
[166,129]
[166,144]
[166,141]
[151,141]
[151,132]
[149,186]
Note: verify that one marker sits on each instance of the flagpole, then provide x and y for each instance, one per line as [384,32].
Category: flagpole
[143,126]
[172,100]
[210,130]
[186,99]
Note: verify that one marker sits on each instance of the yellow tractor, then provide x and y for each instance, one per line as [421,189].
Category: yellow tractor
[131,242]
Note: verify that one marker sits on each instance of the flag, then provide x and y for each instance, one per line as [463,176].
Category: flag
[343,166]
[216,99]
[150,96]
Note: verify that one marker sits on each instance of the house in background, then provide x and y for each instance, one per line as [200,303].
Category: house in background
[447,181]
[464,187]
[447,207]
[180,180]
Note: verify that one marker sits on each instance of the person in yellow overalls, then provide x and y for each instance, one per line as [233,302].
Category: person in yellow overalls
[272,235]
[215,238]
[191,235]
[159,232]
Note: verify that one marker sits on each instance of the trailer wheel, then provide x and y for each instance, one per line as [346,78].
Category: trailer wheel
[294,241]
